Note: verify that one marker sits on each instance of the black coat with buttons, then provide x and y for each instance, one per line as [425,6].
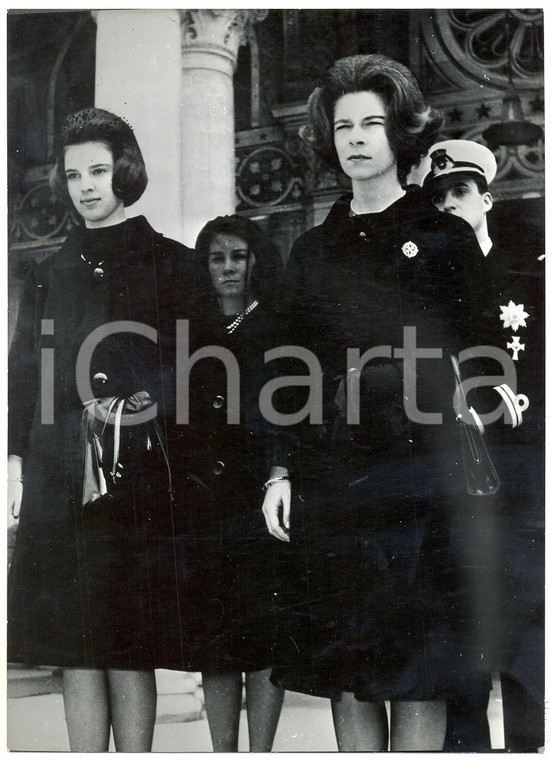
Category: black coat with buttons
[367,599]
[73,601]
[211,449]
[218,471]
[359,282]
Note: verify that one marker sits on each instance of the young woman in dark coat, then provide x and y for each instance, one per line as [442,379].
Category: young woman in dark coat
[92,563]
[383,272]
[219,473]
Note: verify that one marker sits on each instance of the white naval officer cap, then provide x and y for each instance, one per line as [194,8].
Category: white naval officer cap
[460,156]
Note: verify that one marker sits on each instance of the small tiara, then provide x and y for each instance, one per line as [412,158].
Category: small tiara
[81,118]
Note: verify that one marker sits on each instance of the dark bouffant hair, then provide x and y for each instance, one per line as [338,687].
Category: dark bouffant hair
[411,125]
[97,125]
[268,268]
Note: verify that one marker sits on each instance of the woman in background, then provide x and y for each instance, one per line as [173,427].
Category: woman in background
[92,560]
[382,273]
[232,559]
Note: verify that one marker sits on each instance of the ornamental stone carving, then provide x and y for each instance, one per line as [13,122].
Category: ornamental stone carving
[463,62]
[471,46]
[37,217]
[268,177]
[218,30]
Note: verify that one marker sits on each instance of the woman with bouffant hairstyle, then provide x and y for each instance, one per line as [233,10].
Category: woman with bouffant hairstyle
[92,585]
[97,125]
[362,508]
[266,273]
[410,124]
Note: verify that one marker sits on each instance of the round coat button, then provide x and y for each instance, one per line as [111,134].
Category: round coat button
[100,377]
[218,402]
[219,467]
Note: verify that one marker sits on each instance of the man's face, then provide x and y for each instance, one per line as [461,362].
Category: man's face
[460,196]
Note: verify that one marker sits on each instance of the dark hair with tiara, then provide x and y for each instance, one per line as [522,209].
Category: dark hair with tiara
[268,267]
[97,125]
[411,125]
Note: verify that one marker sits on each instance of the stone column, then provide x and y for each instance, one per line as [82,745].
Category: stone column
[210,44]
[138,76]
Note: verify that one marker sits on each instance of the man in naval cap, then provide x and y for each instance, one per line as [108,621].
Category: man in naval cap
[458,183]
[461,171]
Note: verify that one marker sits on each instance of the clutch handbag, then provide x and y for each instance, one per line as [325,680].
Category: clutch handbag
[480,474]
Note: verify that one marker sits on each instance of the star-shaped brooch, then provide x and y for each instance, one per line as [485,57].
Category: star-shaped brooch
[513,315]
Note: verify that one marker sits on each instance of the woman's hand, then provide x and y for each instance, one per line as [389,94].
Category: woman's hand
[15,487]
[277,509]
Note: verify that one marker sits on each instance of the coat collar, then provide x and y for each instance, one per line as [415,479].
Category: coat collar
[340,230]
[134,237]
[411,205]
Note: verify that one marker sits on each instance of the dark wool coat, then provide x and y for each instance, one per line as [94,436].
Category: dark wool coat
[362,283]
[86,583]
[371,612]
[218,471]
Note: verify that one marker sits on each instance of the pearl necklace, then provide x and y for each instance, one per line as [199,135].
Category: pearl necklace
[240,317]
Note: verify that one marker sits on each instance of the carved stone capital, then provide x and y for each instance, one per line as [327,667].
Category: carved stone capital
[219,30]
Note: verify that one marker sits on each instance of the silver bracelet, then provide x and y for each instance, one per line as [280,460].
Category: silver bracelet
[270,482]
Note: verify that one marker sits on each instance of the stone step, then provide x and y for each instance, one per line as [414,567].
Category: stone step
[31,682]
[179,696]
